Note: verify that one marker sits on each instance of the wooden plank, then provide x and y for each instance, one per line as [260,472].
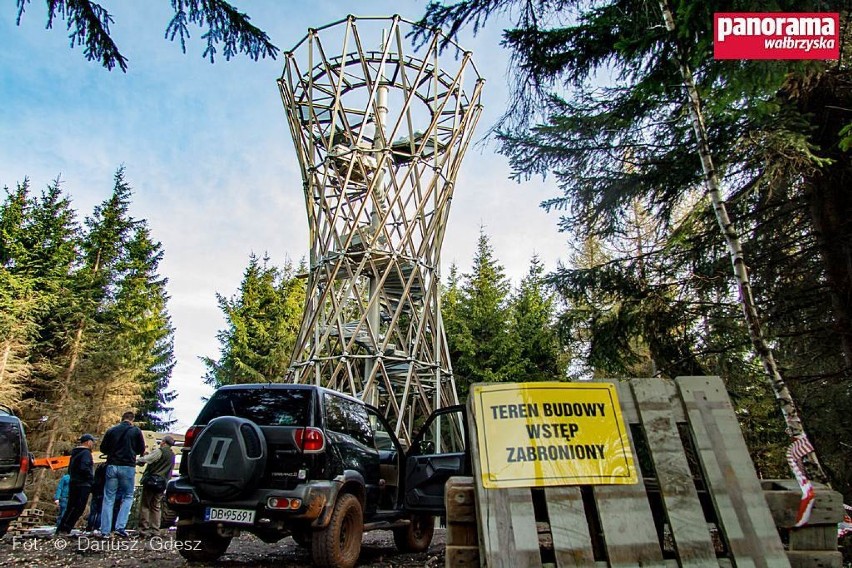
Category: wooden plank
[460,500]
[783,497]
[524,528]
[658,404]
[743,514]
[495,510]
[624,511]
[814,538]
[461,556]
[815,559]
[461,534]
[572,544]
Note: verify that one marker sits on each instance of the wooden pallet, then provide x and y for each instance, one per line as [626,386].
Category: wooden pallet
[698,501]
[29,519]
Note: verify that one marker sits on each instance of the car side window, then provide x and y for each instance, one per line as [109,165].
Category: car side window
[442,434]
[348,417]
[359,424]
[335,417]
[381,436]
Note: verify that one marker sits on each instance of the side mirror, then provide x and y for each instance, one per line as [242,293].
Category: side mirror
[427,447]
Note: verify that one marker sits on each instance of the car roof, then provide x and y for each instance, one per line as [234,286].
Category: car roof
[288,386]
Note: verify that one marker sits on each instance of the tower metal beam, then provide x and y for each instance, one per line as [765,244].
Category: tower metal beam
[380,133]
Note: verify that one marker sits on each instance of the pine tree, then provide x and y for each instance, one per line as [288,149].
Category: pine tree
[50,237]
[263,320]
[769,128]
[18,301]
[540,356]
[89,24]
[144,327]
[486,352]
[99,371]
[459,340]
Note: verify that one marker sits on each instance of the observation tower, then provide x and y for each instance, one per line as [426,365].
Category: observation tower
[380,130]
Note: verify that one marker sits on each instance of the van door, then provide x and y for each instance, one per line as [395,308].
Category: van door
[438,452]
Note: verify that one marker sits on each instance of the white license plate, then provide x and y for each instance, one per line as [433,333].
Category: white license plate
[238,516]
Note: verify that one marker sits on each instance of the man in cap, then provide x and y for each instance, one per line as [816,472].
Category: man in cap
[82,472]
[160,464]
[121,444]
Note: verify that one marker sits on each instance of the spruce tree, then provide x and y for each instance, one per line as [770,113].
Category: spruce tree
[89,25]
[99,372]
[487,352]
[601,102]
[263,319]
[145,329]
[533,329]
[46,257]
[18,300]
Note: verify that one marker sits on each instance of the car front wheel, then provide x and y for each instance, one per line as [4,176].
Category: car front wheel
[200,545]
[416,536]
[339,544]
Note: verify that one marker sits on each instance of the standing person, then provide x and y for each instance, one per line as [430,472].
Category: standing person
[60,497]
[93,521]
[160,464]
[82,473]
[121,444]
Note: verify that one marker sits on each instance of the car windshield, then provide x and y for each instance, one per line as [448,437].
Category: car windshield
[264,407]
[10,443]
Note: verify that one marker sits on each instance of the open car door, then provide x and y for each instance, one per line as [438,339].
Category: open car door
[438,452]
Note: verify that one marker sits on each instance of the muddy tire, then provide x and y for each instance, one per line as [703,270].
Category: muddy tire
[200,545]
[339,544]
[417,536]
[168,516]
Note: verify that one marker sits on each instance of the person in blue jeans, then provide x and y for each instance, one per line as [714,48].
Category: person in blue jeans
[121,444]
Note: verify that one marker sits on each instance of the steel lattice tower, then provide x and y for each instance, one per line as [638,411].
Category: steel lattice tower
[380,134]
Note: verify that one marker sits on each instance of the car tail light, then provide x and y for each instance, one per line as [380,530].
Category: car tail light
[25,464]
[283,503]
[190,435]
[8,513]
[180,498]
[310,440]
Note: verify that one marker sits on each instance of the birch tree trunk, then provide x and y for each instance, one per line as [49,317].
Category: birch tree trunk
[732,240]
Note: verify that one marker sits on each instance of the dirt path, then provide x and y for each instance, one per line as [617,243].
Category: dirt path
[377,551]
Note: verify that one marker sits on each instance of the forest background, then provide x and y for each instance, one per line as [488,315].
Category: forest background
[646,290]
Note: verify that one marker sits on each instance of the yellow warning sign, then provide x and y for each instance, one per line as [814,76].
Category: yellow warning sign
[541,434]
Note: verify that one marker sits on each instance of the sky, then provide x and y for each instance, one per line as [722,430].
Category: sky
[208,153]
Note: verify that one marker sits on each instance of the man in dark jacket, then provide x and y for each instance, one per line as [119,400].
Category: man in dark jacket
[121,444]
[82,472]
[160,464]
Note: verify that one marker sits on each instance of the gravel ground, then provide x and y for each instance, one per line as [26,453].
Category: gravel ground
[377,551]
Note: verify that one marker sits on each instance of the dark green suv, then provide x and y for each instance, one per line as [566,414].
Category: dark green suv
[304,461]
[15,462]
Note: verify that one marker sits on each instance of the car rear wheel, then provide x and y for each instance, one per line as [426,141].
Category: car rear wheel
[416,536]
[200,545]
[339,544]
[168,516]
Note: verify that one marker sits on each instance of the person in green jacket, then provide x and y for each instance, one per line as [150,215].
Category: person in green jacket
[160,464]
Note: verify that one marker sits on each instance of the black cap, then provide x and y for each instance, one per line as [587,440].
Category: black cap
[86,438]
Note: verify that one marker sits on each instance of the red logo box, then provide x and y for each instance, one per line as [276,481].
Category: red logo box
[776,35]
